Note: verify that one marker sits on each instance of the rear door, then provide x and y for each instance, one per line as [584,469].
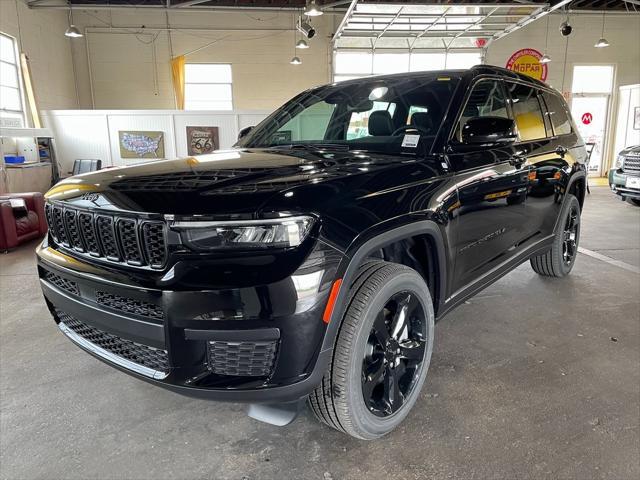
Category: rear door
[546,153]
[492,185]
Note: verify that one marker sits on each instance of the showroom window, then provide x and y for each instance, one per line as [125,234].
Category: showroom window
[11,106]
[208,86]
[349,65]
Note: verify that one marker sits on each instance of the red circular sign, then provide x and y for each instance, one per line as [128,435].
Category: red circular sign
[527,61]
[587,118]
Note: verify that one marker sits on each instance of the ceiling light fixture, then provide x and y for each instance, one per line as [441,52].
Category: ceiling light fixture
[302,44]
[295,60]
[72,31]
[602,43]
[306,28]
[546,58]
[312,9]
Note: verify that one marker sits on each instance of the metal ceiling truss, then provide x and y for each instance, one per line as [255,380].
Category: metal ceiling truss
[450,23]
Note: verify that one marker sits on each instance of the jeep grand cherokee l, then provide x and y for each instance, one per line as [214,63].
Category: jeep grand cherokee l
[310,262]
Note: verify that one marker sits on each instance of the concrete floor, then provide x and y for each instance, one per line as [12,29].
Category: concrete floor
[533,378]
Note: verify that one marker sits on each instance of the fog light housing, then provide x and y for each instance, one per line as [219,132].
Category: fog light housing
[242,359]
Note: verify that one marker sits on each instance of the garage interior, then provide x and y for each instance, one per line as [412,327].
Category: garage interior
[531,378]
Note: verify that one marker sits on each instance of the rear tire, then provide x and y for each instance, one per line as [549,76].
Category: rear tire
[382,353]
[634,201]
[560,258]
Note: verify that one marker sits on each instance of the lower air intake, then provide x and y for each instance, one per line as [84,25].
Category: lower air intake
[151,358]
[243,359]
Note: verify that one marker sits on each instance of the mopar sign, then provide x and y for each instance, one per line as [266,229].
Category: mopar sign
[527,62]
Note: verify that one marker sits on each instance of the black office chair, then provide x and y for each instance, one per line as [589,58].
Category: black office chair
[590,147]
[86,165]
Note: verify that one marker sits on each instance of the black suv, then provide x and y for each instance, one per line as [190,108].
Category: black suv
[311,261]
[624,178]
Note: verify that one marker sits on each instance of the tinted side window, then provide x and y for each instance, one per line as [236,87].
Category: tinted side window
[487,99]
[527,112]
[557,112]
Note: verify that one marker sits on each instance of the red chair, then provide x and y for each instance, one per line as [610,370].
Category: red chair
[21,223]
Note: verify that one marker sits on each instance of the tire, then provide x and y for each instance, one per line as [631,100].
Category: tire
[339,401]
[634,201]
[560,258]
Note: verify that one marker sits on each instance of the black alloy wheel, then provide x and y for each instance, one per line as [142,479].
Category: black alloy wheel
[570,235]
[394,354]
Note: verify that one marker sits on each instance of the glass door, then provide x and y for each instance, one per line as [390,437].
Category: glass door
[590,114]
[591,89]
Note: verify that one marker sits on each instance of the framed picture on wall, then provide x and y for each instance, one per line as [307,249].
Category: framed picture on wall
[141,144]
[636,118]
[202,140]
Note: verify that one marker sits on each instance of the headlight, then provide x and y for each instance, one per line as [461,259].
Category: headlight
[250,234]
[619,161]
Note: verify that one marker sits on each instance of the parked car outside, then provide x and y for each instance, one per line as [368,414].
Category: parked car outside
[306,265]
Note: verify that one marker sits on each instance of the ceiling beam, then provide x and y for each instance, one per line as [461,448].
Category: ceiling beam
[538,14]
[345,20]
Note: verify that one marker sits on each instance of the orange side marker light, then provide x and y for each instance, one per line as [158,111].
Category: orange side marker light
[333,295]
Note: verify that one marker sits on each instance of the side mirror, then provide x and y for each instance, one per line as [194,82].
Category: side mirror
[244,132]
[488,130]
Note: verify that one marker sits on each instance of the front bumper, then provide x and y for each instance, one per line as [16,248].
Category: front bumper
[617,183]
[259,344]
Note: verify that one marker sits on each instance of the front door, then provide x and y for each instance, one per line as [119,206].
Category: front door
[492,187]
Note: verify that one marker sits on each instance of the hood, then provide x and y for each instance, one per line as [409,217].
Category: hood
[633,150]
[234,182]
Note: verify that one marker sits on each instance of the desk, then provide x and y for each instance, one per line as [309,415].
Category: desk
[28,177]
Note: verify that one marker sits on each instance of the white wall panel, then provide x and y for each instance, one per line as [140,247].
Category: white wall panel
[94,133]
[78,136]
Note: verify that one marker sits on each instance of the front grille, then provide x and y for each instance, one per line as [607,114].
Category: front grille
[245,359]
[154,243]
[129,239]
[144,355]
[631,165]
[62,283]
[116,239]
[70,221]
[57,226]
[129,305]
[107,236]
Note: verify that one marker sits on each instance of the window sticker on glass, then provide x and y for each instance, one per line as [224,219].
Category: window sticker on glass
[410,141]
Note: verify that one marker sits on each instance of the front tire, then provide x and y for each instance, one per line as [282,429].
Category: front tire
[634,201]
[382,353]
[560,258]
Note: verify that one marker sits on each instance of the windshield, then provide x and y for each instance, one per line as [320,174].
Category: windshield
[390,115]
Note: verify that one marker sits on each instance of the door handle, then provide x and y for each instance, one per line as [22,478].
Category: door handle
[517,160]
[562,151]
